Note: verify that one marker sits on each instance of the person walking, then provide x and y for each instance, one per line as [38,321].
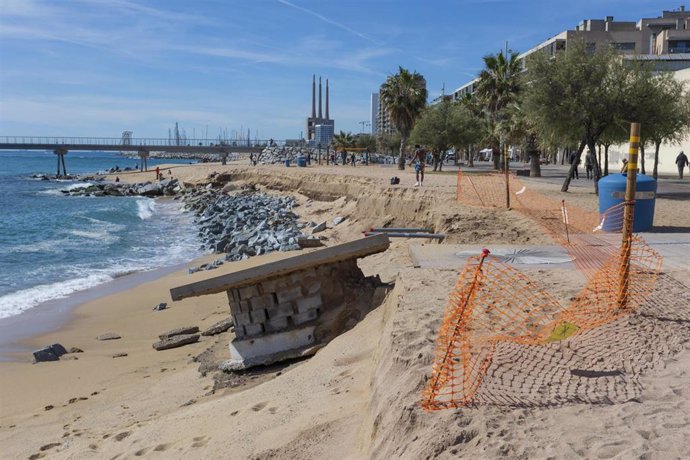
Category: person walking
[419,158]
[575,160]
[682,162]
[158,173]
[589,165]
[352,159]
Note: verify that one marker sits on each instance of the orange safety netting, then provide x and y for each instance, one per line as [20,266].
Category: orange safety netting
[494,303]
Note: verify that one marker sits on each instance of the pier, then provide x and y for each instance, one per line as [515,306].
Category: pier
[143,146]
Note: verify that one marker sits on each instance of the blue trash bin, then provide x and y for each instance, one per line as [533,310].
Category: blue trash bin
[302,162]
[612,192]
[287,162]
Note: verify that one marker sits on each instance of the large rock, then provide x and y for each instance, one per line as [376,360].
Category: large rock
[176,341]
[319,228]
[219,327]
[49,353]
[179,331]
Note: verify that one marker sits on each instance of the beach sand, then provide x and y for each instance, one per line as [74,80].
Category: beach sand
[359,396]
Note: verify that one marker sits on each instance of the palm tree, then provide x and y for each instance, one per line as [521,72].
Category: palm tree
[404,96]
[498,85]
[343,140]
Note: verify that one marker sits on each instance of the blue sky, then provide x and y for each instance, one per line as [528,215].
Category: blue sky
[99,67]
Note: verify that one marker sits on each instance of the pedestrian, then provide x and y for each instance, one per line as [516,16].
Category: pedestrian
[682,162]
[343,157]
[418,159]
[576,161]
[624,168]
[352,159]
[589,165]
[158,173]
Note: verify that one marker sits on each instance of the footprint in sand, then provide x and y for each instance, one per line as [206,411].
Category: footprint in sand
[273,410]
[200,441]
[161,447]
[141,452]
[121,436]
[258,407]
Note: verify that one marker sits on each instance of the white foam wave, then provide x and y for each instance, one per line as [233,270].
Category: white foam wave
[52,246]
[17,302]
[145,208]
[101,235]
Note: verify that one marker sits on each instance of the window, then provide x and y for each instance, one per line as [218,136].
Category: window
[591,47]
[626,46]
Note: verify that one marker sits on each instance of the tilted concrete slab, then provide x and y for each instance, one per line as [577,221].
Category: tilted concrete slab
[453,256]
[353,249]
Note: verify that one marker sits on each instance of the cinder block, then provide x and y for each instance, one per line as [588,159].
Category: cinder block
[289,294]
[241,318]
[239,331]
[234,306]
[280,311]
[258,316]
[245,306]
[308,303]
[248,292]
[300,276]
[311,286]
[308,315]
[276,324]
[262,302]
[233,295]
[252,330]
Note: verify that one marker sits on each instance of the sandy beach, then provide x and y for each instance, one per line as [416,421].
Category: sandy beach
[358,397]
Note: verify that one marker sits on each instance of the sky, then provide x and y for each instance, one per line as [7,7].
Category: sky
[100,67]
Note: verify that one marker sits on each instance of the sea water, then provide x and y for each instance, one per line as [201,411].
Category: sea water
[52,245]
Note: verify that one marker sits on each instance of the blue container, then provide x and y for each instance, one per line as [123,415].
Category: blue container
[287,162]
[612,192]
[302,162]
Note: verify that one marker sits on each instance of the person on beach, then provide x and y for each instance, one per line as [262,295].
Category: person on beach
[624,168]
[574,159]
[589,165]
[158,173]
[343,157]
[682,162]
[352,159]
[418,158]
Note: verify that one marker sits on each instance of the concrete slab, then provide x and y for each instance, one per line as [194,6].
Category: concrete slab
[270,348]
[350,250]
[673,247]
[454,256]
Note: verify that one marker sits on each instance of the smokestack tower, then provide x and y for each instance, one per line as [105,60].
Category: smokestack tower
[327,117]
[313,96]
[320,113]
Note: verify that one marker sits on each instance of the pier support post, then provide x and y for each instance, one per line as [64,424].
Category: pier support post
[60,153]
[143,157]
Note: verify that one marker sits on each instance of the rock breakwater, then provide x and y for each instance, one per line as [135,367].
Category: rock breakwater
[245,224]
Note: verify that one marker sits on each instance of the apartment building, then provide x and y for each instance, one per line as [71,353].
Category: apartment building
[664,41]
[384,124]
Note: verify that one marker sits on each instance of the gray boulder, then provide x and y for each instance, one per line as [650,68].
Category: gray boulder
[176,341]
[338,220]
[49,353]
[160,306]
[319,228]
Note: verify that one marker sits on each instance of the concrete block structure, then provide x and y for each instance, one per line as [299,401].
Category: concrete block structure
[288,308]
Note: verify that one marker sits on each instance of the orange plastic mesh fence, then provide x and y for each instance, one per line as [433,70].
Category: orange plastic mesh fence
[491,302]
[494,303]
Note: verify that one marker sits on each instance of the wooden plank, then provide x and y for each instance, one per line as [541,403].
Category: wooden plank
[353,249]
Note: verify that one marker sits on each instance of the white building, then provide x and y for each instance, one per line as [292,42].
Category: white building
[374,112]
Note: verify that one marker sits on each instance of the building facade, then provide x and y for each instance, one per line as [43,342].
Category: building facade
[319,119]
[384,124]
[374,113]
[323,135]
[664,41]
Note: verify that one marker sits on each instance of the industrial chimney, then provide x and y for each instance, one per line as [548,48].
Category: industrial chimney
[327,117]
[313,96]
[320,98]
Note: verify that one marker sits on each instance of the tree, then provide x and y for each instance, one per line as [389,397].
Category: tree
[404,97]
[445,125]
[343,140]
[498,86]
[388,142]
[577,94]
[365,141]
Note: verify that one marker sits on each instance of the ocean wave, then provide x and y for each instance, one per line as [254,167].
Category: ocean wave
[17,302]
[51,246]
[145,208]
[101,235]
